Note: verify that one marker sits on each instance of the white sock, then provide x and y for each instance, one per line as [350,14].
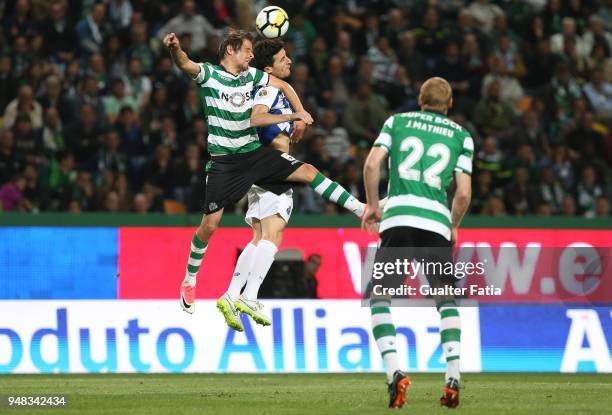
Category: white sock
[391,365]
[264,257]
[244,264]
[450,333]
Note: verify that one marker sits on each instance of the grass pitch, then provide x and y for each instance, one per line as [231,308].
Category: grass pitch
[308,394]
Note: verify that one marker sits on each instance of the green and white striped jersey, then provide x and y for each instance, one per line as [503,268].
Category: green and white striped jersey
[424,149]
[228,100]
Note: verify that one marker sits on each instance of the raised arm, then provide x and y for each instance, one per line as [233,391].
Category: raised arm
[180,58]
[291,95]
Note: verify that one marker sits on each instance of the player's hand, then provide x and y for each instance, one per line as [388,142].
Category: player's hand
[299,127]
[304,116]
[370,219]
[171,41]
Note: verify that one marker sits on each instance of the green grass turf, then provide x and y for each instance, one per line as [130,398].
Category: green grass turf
[309,394]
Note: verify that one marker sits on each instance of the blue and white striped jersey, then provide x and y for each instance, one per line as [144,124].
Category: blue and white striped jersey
[277,103]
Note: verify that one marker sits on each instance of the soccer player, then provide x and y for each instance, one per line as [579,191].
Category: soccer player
[425,149]
[238,159]
[268,213]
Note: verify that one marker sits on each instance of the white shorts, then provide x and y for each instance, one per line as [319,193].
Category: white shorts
[263,204]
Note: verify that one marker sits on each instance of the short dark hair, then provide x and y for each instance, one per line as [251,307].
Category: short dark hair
[264,52]
[234,38]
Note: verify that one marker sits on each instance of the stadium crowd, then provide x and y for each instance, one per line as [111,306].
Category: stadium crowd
[95,117]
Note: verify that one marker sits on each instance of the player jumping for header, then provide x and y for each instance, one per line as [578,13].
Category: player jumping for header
[238,158]
[425,148]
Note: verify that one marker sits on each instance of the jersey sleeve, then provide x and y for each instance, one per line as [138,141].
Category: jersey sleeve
[265,96]
[260,78]
[464,162]
[384,137]
[204,75]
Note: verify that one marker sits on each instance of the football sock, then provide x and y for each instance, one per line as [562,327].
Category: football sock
[335,193]
[242,271]
[196,254]
[264,257]
[450,333]
[384,334]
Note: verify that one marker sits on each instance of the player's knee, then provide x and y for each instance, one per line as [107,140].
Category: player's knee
[207,229]
[310,172]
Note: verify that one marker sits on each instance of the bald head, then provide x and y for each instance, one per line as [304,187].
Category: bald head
[436,95]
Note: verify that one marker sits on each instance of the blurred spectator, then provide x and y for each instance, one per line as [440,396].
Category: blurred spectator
[482,190]
[510,90]
[137,85]
[141,203]
[58,33]
[61,177]
[112,202]
[84,135]
[587,191]
[521,197]
[307,286]
[27,140]
[53,139]
[550,190]
[602,207]
[93,29]
[188,21]
[568,32]
[11,194]
[568,206]
[10,160]
[484,13]
[383,57]
[492,115]
[365,114]
[494,206]
[109,156]
[317,57]
[336,137]
[599,93]
[596,34]
[24,104]
[84,191]
[301,34]
[117,100]
[411,58]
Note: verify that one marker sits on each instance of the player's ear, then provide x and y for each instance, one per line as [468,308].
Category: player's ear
[450,103]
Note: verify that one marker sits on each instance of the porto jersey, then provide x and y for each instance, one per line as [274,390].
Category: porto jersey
[276,102]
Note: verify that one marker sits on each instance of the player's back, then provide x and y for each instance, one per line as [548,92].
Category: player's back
[425,148]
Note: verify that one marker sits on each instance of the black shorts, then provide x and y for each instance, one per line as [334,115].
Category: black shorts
[231,176]
[404,242]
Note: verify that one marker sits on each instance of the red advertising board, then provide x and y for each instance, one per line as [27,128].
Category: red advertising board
[152,261]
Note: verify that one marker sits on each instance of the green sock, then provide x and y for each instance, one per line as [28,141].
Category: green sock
[337,194]
[196,254]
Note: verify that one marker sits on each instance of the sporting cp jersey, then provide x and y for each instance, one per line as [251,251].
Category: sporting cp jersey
[424,149]
[277,103]
[227,101]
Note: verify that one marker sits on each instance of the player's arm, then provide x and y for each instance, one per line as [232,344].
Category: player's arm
[461,200]
[463,180]
[292,96]
[180,58]
[260,117]
[371,178]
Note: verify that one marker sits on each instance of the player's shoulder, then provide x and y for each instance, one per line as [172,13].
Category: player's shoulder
[266,92]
